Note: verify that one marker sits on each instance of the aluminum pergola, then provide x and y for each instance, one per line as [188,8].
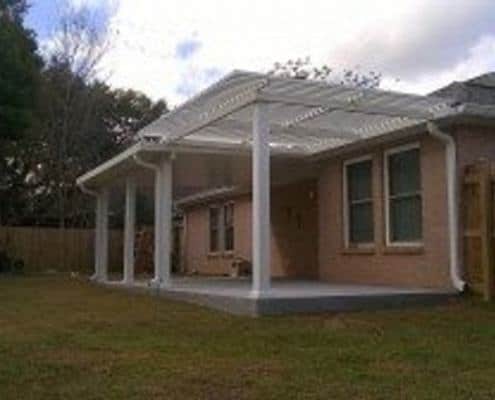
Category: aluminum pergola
[260,114]
[305,117]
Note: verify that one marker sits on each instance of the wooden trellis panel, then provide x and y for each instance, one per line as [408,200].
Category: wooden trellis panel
[478,223]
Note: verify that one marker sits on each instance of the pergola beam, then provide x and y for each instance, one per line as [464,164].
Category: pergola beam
[231,124]
[348,106]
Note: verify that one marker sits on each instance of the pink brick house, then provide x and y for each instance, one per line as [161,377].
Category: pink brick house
[304,180]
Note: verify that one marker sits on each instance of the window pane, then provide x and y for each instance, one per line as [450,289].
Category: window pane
[229,226]
[404,172]
[361,223]
[214,216]
[213,240]
[229,238]
[229,214]
[359,180]
[405,219]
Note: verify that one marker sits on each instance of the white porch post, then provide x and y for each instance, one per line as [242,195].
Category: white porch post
[163,222]
[129,230]
[261,202]
[101,236]
[97,244]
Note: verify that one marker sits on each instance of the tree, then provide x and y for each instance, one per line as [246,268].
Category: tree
[14,10]
[130,111]
[78,122]
[19,68]
[304,69]
[19,78]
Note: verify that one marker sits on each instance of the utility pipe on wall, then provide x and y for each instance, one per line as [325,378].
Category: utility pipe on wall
[451,171]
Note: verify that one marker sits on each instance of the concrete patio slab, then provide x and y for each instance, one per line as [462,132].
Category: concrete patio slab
[288,296]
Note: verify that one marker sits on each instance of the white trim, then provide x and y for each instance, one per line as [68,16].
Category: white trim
[220,206]
[112,162]
[139,161]
[345,202]
[386,154]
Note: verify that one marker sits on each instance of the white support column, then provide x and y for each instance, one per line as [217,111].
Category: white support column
[97,244]
[129,230]
[103,256]
[163,222]
[261,202]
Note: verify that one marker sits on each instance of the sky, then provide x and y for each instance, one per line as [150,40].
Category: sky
[172,49]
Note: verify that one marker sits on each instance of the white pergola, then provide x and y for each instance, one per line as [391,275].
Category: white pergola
[267,117]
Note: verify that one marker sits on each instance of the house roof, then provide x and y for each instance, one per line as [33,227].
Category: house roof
[306,117]
[207,196]
[479,90]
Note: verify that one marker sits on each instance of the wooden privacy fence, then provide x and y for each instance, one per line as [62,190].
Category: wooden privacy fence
[478,224]
[42,249]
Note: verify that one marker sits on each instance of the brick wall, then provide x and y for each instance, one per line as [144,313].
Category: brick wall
[307,223]
[293,240]
[425,266]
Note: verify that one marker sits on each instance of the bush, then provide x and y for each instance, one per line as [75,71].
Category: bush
[10,265]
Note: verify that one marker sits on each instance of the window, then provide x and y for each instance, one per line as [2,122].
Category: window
[228,226]
[222,228]
[358,201]
[214,228]
[403,192]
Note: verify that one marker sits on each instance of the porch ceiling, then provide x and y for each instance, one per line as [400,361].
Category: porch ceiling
[195,171]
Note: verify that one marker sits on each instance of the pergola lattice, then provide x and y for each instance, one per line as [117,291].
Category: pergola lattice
[305,117]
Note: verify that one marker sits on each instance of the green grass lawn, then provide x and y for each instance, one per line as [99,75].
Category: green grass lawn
[66,339]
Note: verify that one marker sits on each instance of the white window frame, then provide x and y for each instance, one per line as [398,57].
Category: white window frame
[221,248]
[345,202]
[386,190]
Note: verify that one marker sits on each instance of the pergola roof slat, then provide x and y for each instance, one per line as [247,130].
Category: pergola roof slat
[310,115]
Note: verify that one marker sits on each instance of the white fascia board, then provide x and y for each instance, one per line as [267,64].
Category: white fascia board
[194,147]
[114,161]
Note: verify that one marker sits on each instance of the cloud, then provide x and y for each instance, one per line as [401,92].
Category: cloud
[431,37]
[479,59]
[173,49]
[193,78]
[187,48]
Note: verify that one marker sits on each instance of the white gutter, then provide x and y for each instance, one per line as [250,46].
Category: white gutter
[84,189]
[451,171]
[111,163]
[145,164]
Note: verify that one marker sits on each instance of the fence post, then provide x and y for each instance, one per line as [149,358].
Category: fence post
[486,230]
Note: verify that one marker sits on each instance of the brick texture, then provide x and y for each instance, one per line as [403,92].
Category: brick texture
[307,223]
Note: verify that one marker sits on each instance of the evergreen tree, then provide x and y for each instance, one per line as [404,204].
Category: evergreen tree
[19,68]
